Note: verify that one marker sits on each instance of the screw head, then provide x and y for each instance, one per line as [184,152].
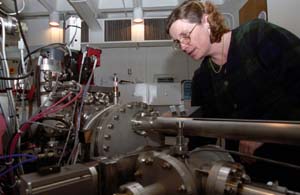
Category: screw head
[142,160]
[149,161]
[166,165]
[110,126]
[182,188]
[105,148]
[138,173]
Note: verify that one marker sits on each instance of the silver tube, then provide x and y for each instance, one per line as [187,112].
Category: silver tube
[254,190]
[154,189]
[286,132]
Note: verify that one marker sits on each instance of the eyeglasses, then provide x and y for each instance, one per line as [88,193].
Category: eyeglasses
[185,39]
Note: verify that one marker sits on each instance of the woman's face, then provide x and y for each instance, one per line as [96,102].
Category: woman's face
[193,38]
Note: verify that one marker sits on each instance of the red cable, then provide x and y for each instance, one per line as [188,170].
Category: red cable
[41,115]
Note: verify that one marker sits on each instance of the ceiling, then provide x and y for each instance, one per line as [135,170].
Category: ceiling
[103,8]
[91,10]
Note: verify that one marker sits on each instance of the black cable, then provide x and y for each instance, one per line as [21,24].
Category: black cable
[21,31]
[249,156]
[34,51]
[17,78]
[28,55]
[26,46]
[73,35]
[36,80]
[55,119]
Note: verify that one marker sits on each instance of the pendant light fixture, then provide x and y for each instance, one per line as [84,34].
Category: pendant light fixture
[54,19]
[137,11]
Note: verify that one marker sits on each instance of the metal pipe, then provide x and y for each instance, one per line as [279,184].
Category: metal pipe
[116,92]
[286,132]
[255,190]
[154,189]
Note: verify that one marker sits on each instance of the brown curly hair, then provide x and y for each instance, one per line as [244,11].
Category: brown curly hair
[193,10]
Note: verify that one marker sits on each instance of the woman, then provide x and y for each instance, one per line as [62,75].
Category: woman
[251,72]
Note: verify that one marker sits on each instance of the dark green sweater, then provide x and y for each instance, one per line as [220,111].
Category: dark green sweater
[261,79]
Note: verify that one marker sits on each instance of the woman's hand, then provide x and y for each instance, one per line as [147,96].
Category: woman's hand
[167,114]
[249,147]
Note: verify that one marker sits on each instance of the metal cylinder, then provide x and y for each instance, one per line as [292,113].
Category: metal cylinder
[116,90]
[10,24]
[254,190]
[138,189]
[52,59]
[286,132]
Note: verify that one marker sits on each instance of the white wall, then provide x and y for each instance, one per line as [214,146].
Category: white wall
[143,64]
[285,13]
[39,33]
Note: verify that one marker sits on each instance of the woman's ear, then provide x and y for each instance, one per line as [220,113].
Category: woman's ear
[205,18]
[205,22]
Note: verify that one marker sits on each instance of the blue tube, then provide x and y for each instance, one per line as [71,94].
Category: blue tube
[31,158]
